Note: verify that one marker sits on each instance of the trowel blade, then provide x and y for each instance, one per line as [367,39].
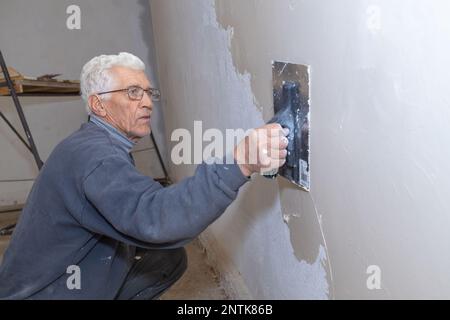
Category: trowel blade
[297,166]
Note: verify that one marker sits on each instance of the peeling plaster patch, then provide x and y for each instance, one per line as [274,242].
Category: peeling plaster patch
[234,48]
[287,216]
[209,19]
[318,278]
[271,269]
[305,227]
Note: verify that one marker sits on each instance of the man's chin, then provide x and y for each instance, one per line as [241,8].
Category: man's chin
[143,133]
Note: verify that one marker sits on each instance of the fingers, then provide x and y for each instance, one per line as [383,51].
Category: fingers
[275,130]
[279,163]
[277,146]
[282,154]
[273,127]
[274,164]
[271,157]
[272,135]
[265,159]
[273,142]
[275,153]
[264,148]
[280,142]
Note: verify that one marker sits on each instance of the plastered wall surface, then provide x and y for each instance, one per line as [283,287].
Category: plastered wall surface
[379,137]
[35,40]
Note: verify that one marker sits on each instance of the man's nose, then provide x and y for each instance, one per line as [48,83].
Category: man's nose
[146,101]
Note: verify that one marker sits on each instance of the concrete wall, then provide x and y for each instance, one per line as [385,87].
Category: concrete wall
[379,138]
[34,39]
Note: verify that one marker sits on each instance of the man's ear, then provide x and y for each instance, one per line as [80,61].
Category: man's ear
[96,105]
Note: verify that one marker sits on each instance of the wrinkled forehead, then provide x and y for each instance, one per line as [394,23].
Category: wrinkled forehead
[125,77]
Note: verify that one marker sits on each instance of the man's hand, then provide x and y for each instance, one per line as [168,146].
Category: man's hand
[263,150]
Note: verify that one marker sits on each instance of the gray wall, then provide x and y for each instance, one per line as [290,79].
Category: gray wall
[34,39]
[380,169]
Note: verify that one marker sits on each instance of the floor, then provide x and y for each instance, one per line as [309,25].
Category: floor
[199,282]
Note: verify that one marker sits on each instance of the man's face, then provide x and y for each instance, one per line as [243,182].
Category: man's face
[132,117]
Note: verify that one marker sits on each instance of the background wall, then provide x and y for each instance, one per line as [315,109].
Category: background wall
[34,40]
[379,138]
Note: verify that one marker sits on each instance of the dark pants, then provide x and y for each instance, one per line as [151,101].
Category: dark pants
[152,274]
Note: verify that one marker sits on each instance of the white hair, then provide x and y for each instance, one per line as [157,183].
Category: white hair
[95,76]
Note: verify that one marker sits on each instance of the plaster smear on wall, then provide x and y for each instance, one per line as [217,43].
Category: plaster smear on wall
[305,227]
[298,209]
[210,20]
[204,80]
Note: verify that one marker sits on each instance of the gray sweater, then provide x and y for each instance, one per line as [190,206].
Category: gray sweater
[90,207]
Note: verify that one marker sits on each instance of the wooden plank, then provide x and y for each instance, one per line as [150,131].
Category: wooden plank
[4,91]
[31,89]
[28,85]
[13,74]
[51,84]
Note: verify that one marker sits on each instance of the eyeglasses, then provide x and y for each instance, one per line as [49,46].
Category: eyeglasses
[136,93]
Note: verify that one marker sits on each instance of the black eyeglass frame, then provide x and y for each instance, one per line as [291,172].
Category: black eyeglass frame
[153,93]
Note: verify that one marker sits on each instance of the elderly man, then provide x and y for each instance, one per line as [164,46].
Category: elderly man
[95,228]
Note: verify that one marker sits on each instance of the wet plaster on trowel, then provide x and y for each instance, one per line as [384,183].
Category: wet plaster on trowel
[298,209]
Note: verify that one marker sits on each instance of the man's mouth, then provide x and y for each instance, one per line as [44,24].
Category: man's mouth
[145,117]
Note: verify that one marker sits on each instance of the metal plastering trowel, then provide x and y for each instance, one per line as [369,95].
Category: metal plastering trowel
[291,107]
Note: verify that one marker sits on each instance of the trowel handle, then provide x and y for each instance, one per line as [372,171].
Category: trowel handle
[271,174]
[285,116]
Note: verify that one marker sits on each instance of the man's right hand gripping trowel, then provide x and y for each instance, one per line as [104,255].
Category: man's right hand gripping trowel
[291,108]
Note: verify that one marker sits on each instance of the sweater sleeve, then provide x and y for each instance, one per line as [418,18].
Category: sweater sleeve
[136,209]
